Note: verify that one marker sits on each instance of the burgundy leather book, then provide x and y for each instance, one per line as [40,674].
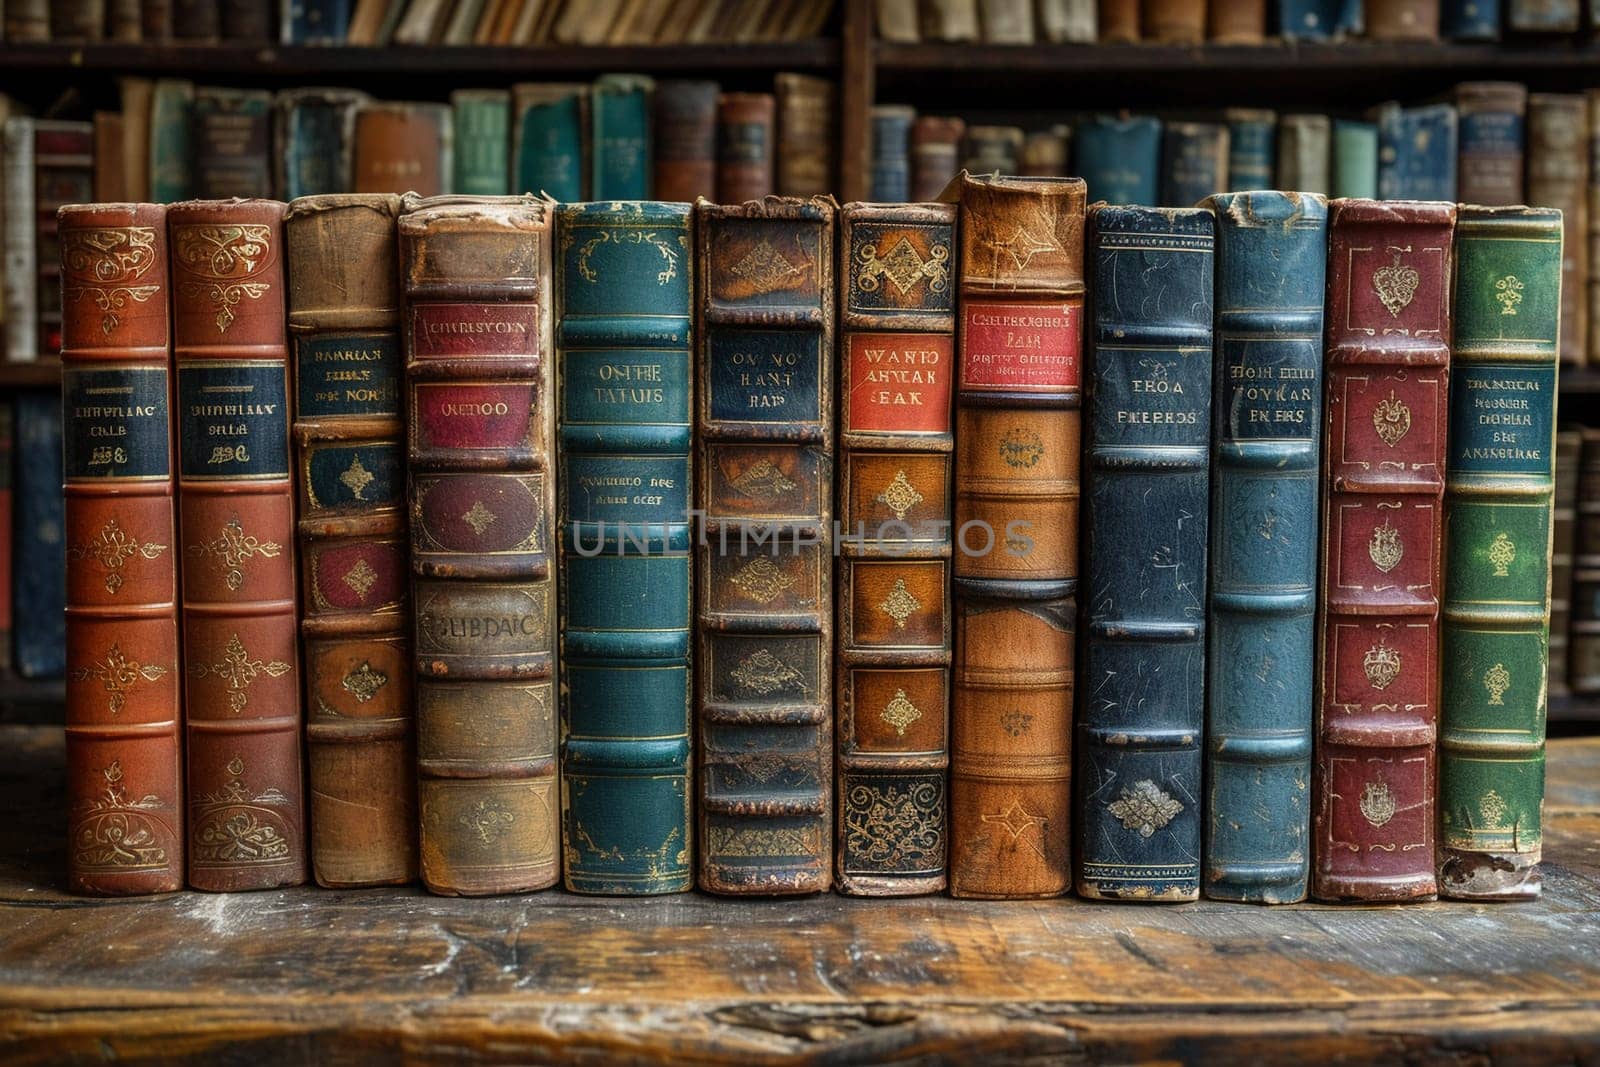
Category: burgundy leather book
[124,780]
[1388,366]
[745,125]
[236,523]
[685,140]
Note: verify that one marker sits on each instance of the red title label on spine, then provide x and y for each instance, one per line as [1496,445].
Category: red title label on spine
[899,382]
[444,331]
[1031,347]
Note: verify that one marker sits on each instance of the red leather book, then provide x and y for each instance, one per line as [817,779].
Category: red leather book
[1388,366]
[124,782]
[236,529]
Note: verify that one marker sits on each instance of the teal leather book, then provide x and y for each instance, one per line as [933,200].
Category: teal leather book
[1119,158]
[626,416]
[550,140]
[1194,162]
[1252,147]
[171,163]
[314,128]
[481,125]
[1499,482]
[1355,159]
[622,166]
[1272,251]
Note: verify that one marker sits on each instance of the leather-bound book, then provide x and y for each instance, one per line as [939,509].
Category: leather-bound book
[1044,153]
[1119,157]
[77,21]
[806,135]
[480,134]
[1146,507]
[935,155]
[232,143]
[478,332]
[950,20]
[344,321]
[108,172]
[1558,177]
[1470,20]
[1542,16]
[764,488]
[992,149]
[685,131]
[171,170]
[39,589]
[1304,156]
[745,146]
[1319,20]
[402,147]
[124,777]
[1402,20]
[1498,489]
[1490,135]
[1252,148]
[155,21]
[8,532]
[27,21]
[550,140]
[1236,21]
[620,139]
[890,178]
[1592,225]
[1353,159]
[896,20]
[324,22]
[1387,368]
[251,21]
[1119,21]
[1569,447]
[197,21]
[1067,20]
[1172,21]
[897,307]
[1583,648]
[626,420]
[1006,21]
[1416,152]
[236,530]
[1272,251]
[315,138]
[47,164]
[1194,162]
[1015,573]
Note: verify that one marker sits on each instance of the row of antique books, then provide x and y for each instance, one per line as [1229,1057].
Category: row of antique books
[625,137]
[1225,21]
[787,498]
[380,23]
[1492,144]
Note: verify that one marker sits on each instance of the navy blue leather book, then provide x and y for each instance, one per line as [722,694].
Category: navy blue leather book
[1194,162]
[1416,152]
[315,22]
[314,128]
[1470,20]
[1319,20]
[1146,503]
[1271,262]
[1252,147]
[39,575]
[891,154]
[1119,158]
[625,431]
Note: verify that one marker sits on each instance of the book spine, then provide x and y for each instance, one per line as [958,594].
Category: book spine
[1470,20]
[805,126]
[314,21]
[1319,20]
[685,129]
[315,132]
[549,146]
[63,173]
[1498,490]
[893,664]
[1006,21]
[108,185]
[344,317]
[1016,554]
[890,180]
[1584,648]
[481,132]
[1119,21]
[764,487]
[1252,147]
[621,137]
[21,291]
[1591,219]
[1237,22]
[1417,152]
[1173,21]
[1044,153]
[197,20]
[477,328]
[1067,20]
[1194,162]
[27,21]
[124,775]
[1146,511]
[77,20]
[1305,153]
[1355,160]
[249,21]
[1542,16]
[1402,20]
[1120,159]
[1569,448]
[8,428]
[236,528]
[232,143]
[155,21]
[402,148]
[1491,134]
[992,149]
[171,173]
[1272,251]
[935,155]
[626,427]
[1558,177]
[744,146]
[39,591]
[1388,360]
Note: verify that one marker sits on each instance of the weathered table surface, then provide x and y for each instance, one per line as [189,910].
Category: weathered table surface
[388,976]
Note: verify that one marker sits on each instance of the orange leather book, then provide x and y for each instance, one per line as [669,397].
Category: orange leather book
[401,148]
[236,523]
[1236,21]
[344,323]
[124,778]
[1173,21]
[1018,431]
[1119,21]
[745,136]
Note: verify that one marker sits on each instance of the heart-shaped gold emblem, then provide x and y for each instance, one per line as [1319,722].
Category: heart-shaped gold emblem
[1396,285]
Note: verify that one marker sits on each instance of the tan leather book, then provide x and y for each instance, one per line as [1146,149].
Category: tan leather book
[745,134]
[897,346]
[1236,21]
[896,20]
[1119,21]
[136,98]
[1558,177]
[1044,154]
[950,20]
[1402,20]
[344,330]
[476,277]
[110,176]
[805,134]
[1018,430]
[1173,21]
[935,154]
[1006,21]
[401,147]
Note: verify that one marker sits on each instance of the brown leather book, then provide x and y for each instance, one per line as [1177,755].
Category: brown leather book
[805,135]
[476,273]
[1018,431]
[1402,20]
[1374,799]
[1491,119]
[236,522]
[124,777]
[897,314]
[1569,449]
[1044,153]
[249,21]
[232,142]
[197,20]
[935,155]
[1583,649]
[136,99]
[155,20]
[77,20]
[27,21]
[1236,21]
[1119,21]
[344,325]
[745,146]
[685,140]
[764,487]
[1558,177]
[401,148]
[1173,21]
[124,21]
[109,175]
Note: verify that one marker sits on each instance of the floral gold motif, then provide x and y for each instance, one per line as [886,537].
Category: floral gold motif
[1017,821]
[233,548]
[1145,807]
[764,267]
[762,481]
[900,604]
[116,832]
[895,826]
[1497,680]
[360,578]
[1382,666]
[1396,285]
[479,517]
[356,478]
[1392,419]
[1021,448]
[1502,553]
[1493,809]
[1385,548]
[106,265]
[119,675]
[1508,291]
[364,682]
[486,821]
[236,826]
[664,248]
[225,257]
[903,267]
[756,841]
[111,548]
[238,670]
[899,496]
[763,673]
[1377,804]
[900,712]
[762,580]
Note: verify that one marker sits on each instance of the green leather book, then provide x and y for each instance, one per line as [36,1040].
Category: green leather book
[621,137]
[1498,489]
[171,170]
[1355,159]
[549,138]
[481,120]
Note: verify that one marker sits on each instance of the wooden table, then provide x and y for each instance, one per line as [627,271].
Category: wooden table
[391,976]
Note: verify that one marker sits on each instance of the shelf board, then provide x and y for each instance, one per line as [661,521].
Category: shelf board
[44,372]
